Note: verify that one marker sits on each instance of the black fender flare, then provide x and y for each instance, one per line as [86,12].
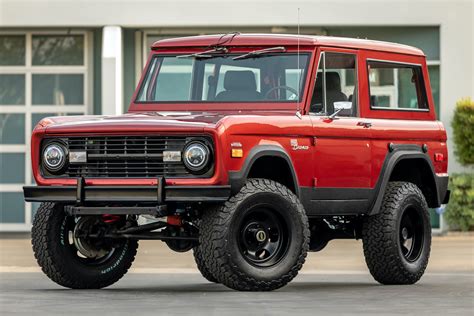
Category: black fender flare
[399,153]
[237,178]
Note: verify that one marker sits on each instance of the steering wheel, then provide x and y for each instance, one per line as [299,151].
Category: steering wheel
[282,87]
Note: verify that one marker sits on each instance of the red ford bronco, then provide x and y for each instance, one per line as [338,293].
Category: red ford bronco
[250,150]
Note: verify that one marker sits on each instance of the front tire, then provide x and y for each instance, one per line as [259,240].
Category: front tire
[58,252]
[201,265]
[258,240]
[397,241]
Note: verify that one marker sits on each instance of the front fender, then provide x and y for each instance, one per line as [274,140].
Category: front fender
[237,179]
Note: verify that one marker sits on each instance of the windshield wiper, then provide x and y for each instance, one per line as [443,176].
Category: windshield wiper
[206,54]
[261,52]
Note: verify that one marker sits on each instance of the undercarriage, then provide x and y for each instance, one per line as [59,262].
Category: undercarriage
[179,228]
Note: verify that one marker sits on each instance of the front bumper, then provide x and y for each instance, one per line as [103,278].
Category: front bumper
[159,194]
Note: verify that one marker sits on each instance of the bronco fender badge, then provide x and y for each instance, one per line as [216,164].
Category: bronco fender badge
[295,146]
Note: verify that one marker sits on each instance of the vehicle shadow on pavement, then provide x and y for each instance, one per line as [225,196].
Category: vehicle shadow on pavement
[210,287]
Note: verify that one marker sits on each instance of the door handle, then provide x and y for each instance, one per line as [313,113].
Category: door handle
[364,124]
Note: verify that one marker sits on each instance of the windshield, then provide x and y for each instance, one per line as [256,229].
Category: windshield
[225,78]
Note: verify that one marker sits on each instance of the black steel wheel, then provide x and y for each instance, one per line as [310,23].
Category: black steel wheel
[71,252]
[411,234]
[258,240]
[264,236]
[397,240]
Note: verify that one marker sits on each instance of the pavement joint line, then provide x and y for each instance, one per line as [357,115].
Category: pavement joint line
[16,269]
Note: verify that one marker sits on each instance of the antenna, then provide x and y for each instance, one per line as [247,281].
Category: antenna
[298,112]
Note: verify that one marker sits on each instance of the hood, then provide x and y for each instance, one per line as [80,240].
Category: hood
[132,122]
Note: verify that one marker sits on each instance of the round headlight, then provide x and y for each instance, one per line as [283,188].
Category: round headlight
[196,156]
[54,157]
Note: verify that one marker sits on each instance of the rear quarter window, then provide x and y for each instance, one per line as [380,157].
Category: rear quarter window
[396,86]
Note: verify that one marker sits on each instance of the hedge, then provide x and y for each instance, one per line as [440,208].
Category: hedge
[460,209]
[463,131]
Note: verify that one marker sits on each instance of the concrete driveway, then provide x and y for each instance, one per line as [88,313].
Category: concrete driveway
[334,281]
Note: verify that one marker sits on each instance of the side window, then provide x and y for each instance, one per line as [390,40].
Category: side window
[336,85]
[396,86]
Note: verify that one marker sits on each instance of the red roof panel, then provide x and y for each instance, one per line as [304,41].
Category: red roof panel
[288,40]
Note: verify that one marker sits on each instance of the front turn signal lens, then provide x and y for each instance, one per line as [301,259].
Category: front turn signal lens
[237,153]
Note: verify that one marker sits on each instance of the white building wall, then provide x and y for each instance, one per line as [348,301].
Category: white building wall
[454,17]
[112,74]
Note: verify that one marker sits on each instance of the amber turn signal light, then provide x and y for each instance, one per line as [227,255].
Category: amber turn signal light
[236,150]
[237,153]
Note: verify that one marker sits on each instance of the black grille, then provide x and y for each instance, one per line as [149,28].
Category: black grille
[126,157]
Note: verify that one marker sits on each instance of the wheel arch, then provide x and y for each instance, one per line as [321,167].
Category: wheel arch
[263,156]
[412,166]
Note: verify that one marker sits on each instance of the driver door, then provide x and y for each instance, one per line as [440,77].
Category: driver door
[342,163]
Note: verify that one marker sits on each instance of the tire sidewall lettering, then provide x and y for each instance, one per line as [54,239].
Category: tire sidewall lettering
[117,262]
[62,229]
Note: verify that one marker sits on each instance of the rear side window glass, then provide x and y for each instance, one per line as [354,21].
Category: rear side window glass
[395,86]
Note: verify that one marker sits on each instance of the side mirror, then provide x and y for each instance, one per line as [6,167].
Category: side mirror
[339,107]
[342,105]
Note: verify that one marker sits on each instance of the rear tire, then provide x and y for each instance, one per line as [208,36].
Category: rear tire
[397,241]
[59,259]
[258,240]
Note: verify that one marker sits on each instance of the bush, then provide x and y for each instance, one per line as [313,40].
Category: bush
[460,209]
[463,131]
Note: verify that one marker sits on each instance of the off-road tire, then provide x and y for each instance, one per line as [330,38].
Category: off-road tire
[201,265]
[57,263]
[381,236]
[219,242]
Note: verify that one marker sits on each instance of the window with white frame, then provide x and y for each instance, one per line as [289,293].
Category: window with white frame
[41,74]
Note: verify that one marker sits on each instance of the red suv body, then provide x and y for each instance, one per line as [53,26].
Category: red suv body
[335,121]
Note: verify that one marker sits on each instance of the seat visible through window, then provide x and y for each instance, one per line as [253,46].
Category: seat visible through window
[333,92]
[239,86]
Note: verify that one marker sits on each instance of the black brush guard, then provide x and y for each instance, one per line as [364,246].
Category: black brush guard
[83,199]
